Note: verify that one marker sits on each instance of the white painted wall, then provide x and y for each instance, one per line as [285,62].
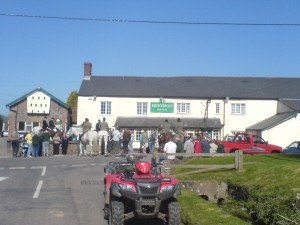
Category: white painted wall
[284,133]
[256,110]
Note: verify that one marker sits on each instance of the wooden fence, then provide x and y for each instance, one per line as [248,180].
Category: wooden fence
[238,161]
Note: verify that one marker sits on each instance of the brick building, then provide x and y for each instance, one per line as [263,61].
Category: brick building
[29,111]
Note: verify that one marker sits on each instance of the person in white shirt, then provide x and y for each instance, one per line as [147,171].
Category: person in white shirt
[170,147]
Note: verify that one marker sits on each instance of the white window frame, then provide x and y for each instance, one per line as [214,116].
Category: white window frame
[238,108]
[218,108]
[216,135]
[183,108]
[141,108]
[105,108]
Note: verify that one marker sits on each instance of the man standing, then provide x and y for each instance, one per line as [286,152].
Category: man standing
[126,139]
[15,143]
[152,140]
[45,142]
[170,147]
[103,134]
[145,141]
[116,141]
[188,146]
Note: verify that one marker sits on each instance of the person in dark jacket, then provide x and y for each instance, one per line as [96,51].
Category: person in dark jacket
[15,144]
[45,124]
[64,144]
[45,143]
[36,142]
[51,123]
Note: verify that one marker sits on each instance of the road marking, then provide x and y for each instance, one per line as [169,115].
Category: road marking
[2,168]
[17,168]
[79,165]
[38,189]
[40,167]
[3,178]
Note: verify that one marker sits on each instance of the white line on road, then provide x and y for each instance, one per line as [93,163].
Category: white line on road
[2,168]
[38,189]
[79,165]
[17,168]
[3,178]
[40,167]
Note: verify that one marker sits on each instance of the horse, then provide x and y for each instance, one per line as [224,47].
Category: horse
[89,138]
[165,137]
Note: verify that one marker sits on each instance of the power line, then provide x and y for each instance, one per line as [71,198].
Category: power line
[148,21]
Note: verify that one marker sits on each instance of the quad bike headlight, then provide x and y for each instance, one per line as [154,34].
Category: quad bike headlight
[167,188]
[126,187]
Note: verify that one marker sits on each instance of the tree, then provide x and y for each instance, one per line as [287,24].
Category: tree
[73,99]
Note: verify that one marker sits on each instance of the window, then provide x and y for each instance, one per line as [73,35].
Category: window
[238,109]
[216,135]
[218,108]
[142,108]
[137,135]
[183,107]
[21,126]
[106,108]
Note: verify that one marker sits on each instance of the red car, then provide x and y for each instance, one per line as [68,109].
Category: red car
[250,144]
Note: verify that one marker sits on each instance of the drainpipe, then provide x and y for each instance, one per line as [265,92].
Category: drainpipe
[225,101]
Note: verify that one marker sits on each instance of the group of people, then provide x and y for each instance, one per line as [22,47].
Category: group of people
[121,140]
[113,139]
[38,144]
[35,144]
[198,143]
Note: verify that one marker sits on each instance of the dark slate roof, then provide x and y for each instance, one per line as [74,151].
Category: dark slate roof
[53,98]
[156,122]
[192,87]
[273,121]
[293,104]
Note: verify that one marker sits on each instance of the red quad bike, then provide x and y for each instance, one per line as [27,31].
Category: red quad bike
[136,190]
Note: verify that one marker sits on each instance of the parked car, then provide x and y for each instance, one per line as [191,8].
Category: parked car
[4,133]
[293,148]
[250,144]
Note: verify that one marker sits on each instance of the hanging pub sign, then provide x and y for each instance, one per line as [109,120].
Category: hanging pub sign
[162,107]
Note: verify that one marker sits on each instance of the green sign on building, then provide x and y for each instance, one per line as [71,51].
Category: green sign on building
[162,107]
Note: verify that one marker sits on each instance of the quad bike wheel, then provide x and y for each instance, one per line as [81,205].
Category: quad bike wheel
[173,213]
[117,213]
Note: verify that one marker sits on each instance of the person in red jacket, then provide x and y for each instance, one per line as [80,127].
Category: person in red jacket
[197,145]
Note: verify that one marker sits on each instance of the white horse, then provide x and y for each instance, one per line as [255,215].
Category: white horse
[88,139]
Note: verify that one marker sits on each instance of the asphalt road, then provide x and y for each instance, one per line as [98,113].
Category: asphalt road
[56,190]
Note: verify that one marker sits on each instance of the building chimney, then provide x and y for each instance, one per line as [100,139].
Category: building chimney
[87,69]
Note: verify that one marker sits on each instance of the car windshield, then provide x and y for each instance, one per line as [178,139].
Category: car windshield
[293,145]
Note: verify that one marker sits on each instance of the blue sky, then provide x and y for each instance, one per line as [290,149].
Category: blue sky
[50,53]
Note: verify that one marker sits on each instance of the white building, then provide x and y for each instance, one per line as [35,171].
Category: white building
[217,105]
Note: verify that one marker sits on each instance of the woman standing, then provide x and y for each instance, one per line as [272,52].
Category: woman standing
[56,143]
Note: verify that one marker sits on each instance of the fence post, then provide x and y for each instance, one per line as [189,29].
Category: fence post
[239,160]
